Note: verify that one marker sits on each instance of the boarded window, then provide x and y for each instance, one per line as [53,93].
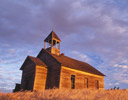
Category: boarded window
[97,84]
[86,82]
[72,81]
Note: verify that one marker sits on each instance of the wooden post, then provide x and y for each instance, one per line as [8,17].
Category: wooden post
[56,44]
[48,43]
[44,45]
[52,43]
[59,45]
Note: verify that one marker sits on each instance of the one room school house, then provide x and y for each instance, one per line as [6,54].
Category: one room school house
[51,69]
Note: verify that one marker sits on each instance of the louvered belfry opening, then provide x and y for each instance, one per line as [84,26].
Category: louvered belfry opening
[52,43]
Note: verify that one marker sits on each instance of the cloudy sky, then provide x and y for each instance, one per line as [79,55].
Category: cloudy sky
[94,31]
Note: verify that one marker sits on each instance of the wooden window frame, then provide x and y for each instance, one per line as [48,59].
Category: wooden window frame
[87,86]
[97,84]
[73,81]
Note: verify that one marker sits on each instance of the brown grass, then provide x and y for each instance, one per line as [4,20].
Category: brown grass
[56,94]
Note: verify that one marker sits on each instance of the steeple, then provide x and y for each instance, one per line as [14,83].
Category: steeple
[52,43]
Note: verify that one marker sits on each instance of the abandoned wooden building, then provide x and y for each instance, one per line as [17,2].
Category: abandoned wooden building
[51,69]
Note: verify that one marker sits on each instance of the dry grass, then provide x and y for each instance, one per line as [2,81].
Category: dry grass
[56,94]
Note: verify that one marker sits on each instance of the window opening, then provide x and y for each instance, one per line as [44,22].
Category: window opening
[72,81]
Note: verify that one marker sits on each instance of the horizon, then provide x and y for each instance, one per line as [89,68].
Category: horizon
[95,32]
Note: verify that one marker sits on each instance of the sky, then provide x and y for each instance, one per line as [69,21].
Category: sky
[93,31]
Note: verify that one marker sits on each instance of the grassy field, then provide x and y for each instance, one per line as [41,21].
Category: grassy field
[56,94]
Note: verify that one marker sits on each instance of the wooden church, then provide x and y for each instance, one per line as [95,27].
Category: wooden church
[50,69]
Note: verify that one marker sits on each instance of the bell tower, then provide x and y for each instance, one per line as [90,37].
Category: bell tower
[52,43]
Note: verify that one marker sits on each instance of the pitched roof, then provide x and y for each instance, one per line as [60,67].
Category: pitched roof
[52,35]
[37,61]
[75,64]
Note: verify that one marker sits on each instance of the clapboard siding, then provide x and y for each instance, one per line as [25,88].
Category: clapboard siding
[40,78]
[65,79]
[53,69]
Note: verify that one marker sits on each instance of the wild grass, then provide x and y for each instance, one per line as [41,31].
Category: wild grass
[57,94]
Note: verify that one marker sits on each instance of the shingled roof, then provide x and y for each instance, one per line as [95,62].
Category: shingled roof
[37,61]
[74,64]
[52,35]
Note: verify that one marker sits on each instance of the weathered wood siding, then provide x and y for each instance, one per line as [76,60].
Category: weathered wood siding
[53,73]
[40,78]
[80,79]
[28,75]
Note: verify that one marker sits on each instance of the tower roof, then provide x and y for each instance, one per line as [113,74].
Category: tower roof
[52,35]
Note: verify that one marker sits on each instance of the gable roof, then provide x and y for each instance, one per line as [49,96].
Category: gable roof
[75,64]
[52,35]
[37,61]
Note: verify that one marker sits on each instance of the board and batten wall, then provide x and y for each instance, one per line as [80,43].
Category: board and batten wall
[80,78]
